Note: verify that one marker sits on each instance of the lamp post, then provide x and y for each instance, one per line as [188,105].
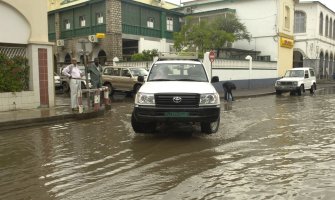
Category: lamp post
[84,52]
[250,68]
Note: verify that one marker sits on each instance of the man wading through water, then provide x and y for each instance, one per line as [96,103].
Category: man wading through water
[74,74]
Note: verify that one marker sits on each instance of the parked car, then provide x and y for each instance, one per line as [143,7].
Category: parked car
[57,81]
[177,89]
[297,80]
[65,81]
[123,78]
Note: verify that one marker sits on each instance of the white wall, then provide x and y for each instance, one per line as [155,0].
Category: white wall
[16,29]
[260,18]
[148,44]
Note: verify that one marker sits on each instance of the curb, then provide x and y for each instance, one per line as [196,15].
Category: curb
[24,123]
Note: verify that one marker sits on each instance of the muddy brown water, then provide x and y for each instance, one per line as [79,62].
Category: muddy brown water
[266,148]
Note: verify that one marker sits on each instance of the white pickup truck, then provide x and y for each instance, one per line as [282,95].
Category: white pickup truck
[177,89]
[297,80]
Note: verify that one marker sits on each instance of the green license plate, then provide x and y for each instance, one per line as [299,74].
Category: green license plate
[176,114]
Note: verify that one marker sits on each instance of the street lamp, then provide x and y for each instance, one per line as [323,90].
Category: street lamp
[248,57]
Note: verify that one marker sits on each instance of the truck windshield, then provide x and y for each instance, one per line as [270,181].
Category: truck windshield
[177,72]
[294,73]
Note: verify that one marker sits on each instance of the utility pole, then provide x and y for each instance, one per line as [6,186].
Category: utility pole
[84,52]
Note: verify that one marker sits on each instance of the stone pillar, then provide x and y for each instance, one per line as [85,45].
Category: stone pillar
[113,42]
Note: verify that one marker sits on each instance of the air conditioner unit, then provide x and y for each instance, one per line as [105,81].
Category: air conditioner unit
[60,43]
[92,38]
[189,10]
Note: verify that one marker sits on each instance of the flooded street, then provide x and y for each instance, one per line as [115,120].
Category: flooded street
[270,147]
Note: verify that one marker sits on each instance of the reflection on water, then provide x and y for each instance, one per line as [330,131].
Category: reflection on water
[267,148]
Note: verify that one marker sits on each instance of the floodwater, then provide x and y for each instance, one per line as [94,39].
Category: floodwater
[267,148]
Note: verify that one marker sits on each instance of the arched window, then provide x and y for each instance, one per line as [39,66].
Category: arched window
[326,31]
[102,57]
[321,65]
[67,59]
[331,64]
[287,17]
[299,22]
[334,30]
[326,65]
[321,24]
[331,28]
[297,59]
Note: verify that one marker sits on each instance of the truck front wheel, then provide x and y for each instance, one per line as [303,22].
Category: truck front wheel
[210,127]
[141,127]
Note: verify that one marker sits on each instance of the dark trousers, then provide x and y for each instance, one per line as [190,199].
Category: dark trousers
[228,95]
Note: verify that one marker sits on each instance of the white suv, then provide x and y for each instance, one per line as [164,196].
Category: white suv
[297,80]
[177,89]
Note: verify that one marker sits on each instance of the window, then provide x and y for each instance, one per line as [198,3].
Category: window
[82,21]
[100,18]
[169,24]
[331,28]
[150,22]
[321,24]
[67,24]
[326,31]
[334,29]
[299,22]
[287,17]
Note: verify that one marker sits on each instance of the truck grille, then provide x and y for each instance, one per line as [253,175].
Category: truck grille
[177,100]
[288,83]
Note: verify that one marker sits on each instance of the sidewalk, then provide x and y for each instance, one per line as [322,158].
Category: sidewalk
[62,112]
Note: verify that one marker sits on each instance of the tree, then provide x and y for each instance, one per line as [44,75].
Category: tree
[146,55]
[211,33]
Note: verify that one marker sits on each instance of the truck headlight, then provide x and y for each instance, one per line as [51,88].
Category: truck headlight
[144,99]
[295,83]
[278,83]
[209,99]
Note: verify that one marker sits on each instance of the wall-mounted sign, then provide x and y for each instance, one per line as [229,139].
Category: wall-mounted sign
[100,35]
[287,43]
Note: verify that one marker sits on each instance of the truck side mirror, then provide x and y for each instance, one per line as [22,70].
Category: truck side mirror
[215,79]
[140,79]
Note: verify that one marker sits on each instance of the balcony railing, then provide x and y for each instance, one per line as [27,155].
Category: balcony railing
[101,28]
[137,30]
[52,36]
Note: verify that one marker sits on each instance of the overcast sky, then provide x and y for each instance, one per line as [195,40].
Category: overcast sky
[329,3]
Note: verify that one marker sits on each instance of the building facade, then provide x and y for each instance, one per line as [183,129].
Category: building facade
[126,27]
[25,33]
[271,29]
[315,38]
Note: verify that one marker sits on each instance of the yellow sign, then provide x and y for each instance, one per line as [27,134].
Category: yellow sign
[287,43]
[100,35]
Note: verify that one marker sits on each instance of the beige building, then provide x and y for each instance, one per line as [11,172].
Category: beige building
[25,33]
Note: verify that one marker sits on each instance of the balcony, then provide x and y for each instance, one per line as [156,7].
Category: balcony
[137,30]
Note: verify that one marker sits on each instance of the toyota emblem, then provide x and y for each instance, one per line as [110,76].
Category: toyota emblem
[177,99]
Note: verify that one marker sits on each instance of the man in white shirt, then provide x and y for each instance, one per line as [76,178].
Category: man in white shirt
[73,72]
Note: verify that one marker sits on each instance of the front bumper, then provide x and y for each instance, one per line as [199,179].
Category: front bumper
[286,88]
[168,114]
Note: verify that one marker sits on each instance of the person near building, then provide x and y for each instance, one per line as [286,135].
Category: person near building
[95,73]
[74,74]
[228,87]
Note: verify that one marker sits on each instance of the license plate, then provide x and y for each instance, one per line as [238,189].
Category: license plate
[176,114]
